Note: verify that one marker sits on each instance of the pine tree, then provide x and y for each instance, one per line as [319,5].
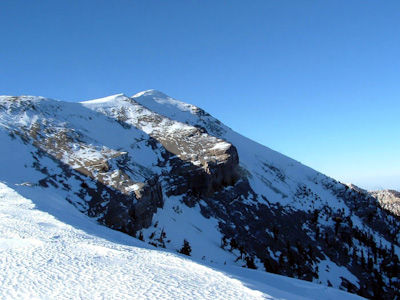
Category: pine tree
[233,244]
[250,262]
[141,237]
[186,249]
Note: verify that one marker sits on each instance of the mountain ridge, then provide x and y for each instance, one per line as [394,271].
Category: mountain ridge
[170,173]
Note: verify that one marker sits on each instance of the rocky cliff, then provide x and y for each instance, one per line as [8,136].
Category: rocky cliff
[388,199]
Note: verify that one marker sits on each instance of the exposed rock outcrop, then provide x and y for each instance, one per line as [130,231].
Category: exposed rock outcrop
[200,164]
[148,198]
[388,199]
[205,179]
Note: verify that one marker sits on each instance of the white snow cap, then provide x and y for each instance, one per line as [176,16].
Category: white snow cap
[151,92]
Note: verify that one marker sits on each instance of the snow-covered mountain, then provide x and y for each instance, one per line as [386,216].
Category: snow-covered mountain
[173,176]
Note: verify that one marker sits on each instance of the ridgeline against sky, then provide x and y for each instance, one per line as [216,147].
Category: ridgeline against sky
[315,80]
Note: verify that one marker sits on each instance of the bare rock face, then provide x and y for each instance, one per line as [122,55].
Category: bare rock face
[148,198]
[204,180]
[200,164]
[389,200]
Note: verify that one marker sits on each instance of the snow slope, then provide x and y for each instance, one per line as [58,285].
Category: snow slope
[43,257]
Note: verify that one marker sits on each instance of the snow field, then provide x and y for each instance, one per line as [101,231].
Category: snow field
[42,258]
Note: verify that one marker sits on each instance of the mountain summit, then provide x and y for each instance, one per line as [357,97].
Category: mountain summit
[170,174]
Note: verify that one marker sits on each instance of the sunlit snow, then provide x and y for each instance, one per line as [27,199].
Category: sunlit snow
[46,258]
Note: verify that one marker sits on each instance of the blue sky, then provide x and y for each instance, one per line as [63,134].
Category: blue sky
[316,80]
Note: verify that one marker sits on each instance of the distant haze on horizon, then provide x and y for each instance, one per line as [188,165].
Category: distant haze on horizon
[318,81]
